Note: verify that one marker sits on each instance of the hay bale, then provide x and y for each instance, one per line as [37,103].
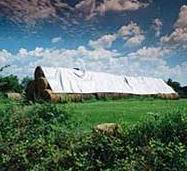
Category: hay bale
[175,96]
[30,91]
[48,95]
[163,96]
[41,84]
[14,96]
[108,128]
[38,73]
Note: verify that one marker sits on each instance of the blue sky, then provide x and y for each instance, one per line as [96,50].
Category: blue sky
[131,37]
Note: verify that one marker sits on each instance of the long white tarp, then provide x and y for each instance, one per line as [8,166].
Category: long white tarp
[63,80]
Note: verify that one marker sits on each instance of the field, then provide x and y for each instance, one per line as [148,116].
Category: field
[127,111]
[60,137]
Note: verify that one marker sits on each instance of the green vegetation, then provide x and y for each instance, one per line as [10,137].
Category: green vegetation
[59,137]
[127,112]
[40,137]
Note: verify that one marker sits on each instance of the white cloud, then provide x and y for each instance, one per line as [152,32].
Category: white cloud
[5,57]
[147,61]
[90,8]
[150,53]
[182,19]
[103,42]
[120,5]
[56,39]
[178,38]
[132,33]
[157,25]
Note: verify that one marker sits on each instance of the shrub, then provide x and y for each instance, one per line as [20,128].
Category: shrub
[10,84]
[38,138]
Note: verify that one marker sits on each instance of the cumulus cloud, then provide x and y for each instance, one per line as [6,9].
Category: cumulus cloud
[132,34]
[147,61]
[120,5]
[30,11]
[5,57]
[103,42]
[182,19]
[150,53]
[178,38]
[90,8]
[56,39]
[157,25]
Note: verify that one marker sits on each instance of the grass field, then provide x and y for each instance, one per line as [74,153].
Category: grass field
[121,111]
[127,111]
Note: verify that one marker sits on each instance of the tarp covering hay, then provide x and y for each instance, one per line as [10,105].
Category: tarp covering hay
[62,84]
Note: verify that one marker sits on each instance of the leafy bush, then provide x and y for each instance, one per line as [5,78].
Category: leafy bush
[10,84]
[38,138]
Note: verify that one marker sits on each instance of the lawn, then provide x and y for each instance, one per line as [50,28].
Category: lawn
[129,112]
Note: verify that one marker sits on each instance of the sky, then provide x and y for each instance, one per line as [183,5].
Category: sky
[124,37]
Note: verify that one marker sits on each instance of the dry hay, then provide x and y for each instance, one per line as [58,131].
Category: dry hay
[14,96]
[41,84]
[48,95]
[30,91]
[108,128]
[38,73]
[163,96]
[168,96]
[174,96]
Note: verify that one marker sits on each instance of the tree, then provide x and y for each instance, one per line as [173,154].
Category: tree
[174,84]
[10,84]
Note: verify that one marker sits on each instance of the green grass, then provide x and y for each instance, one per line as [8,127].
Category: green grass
[124,111]
[128,111]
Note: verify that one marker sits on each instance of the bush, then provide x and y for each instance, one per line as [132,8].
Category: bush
[10,84]
[28,136]
[39,138]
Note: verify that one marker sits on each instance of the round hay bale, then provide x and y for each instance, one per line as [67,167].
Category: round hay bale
[163,96]
[30,91]
[108,128]
[14,96]
[166,96]
[76,97]
[171,97]
[48,95]
[175,96]
[38,73]
[159,95]
[41,84]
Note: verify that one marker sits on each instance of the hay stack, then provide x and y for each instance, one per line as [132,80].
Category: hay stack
[48,95]
[172,96]
[30,91]
[108,128]
[14,96]
[175,96]
[41,84]
[38,73]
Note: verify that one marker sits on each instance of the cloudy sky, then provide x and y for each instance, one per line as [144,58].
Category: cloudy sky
[129,37]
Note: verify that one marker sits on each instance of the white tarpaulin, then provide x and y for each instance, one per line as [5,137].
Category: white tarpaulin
[63,80]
